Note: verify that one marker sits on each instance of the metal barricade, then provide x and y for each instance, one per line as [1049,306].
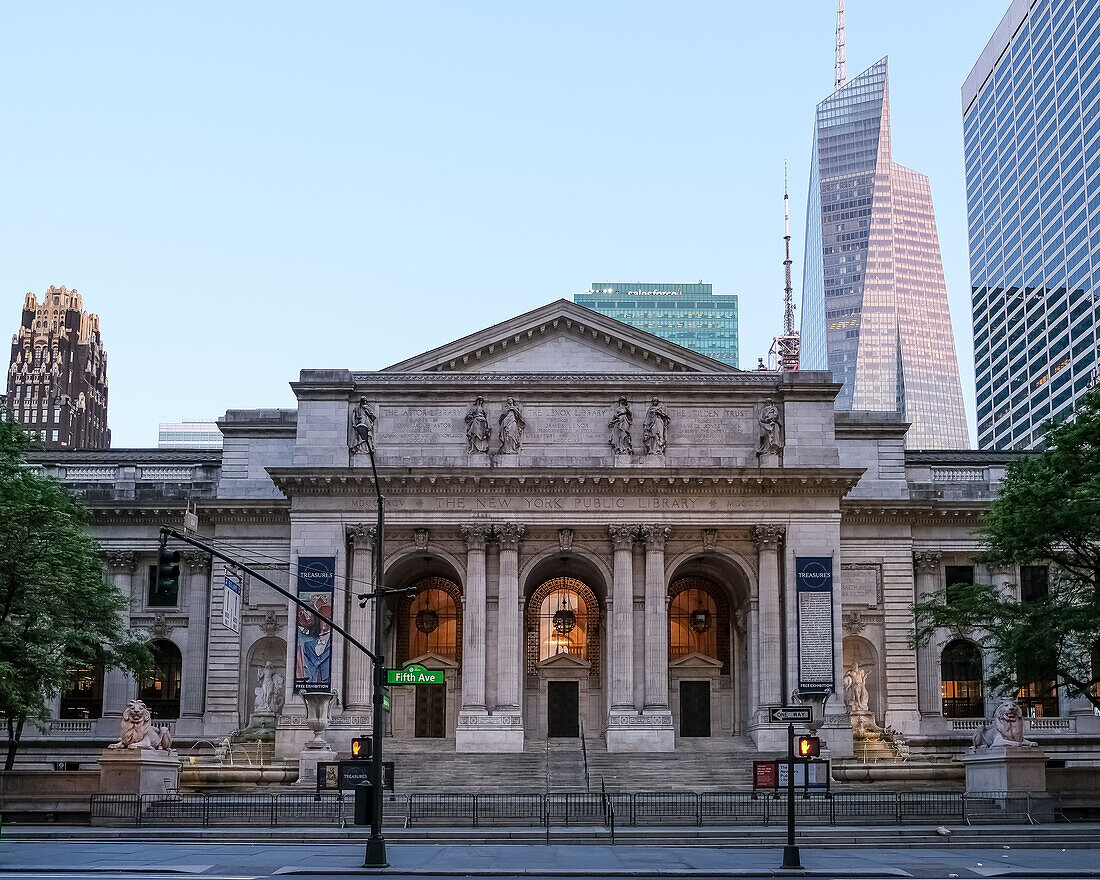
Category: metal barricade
[732,806]
[666,807]
[509,809]
[446,807]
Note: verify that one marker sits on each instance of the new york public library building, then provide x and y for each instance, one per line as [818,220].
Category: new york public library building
[602,534]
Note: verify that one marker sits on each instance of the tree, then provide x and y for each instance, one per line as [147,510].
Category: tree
[1047,512]
[57,609]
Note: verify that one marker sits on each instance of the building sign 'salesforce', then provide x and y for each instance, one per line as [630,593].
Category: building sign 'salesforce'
[313,645]
[814,583]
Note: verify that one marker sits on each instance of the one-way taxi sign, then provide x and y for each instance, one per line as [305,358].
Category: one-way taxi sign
[787,714]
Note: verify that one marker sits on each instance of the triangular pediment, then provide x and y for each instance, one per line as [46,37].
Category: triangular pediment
[562,337]
[564,660]
[695,660]
[433,661]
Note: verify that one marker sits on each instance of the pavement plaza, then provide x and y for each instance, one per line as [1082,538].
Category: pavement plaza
[293,853]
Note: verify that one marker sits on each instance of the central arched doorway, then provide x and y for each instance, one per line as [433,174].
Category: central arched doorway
[563,657]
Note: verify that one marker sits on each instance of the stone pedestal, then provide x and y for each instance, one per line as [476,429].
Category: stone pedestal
[629,731]
[138,771]
[307,763]
[499,732]
[1005,769]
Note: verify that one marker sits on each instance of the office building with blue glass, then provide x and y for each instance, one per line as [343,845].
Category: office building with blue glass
[1031,129]
[691,315]
[874,300]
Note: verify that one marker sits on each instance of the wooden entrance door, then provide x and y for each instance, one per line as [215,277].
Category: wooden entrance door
[562,708]
[694,708]
[431,710]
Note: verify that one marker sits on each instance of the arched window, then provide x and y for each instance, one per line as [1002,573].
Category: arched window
[160,690]
[563,617]
[563,622]
[431,622]
[961,674]
[82,695]
[698,620]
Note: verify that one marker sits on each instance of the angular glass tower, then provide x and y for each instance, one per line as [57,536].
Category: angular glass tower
[691,315]
[874,301]
[1031,136]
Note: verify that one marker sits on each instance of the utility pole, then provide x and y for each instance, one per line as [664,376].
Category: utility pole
[790,851]
[376,843]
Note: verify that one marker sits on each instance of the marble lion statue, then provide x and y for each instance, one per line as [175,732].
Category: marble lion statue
[1006,728]
[138,731]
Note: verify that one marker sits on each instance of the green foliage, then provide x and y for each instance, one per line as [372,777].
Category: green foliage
[57,608]
[1047,512]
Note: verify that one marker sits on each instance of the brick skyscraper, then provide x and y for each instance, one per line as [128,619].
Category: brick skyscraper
[57,378]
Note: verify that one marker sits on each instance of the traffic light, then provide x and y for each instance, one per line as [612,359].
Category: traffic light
[168,573]
[361,748]
[809,747]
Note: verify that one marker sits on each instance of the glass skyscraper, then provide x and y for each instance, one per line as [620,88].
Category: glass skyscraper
[874,301]
[691,315]
[1031,123]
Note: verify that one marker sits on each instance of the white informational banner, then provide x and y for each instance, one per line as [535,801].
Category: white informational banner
[819,774]
[231,602]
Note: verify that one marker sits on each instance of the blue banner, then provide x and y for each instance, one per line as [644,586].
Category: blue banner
[313,639]
[814,585]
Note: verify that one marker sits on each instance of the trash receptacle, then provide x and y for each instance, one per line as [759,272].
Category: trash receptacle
[364,803]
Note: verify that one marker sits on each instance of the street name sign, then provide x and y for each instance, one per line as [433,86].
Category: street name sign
[786,714]
[414,673]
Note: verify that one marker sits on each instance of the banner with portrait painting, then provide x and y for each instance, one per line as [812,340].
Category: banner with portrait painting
[313,639]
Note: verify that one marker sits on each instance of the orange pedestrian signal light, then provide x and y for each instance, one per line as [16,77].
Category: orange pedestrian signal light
[361,748]
[809,747]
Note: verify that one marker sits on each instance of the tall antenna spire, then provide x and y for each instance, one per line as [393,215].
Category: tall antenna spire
[841,58]
[785,348]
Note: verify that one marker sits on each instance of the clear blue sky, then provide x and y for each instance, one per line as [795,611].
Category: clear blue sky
[244,190]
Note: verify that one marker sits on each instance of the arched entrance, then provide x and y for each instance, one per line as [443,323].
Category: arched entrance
[429,632]
[707,647]
[563,657]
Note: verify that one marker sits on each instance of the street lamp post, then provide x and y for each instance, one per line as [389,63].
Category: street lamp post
[376,843]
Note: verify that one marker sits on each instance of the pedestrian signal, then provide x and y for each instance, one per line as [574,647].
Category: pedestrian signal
[361,748]
[809,747]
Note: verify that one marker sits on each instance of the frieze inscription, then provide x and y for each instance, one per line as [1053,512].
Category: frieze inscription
[552,503]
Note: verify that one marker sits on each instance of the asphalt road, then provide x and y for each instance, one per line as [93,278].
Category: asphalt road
[61,860]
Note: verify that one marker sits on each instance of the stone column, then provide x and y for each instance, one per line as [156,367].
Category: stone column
[359,681]
[622,620]
[752,654]
[509,657]
[654,730]
[473,621]
[768,539]
[119,687]
[929,688]
[192,700]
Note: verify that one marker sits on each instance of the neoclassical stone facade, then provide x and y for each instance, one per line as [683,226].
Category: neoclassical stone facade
[598,532]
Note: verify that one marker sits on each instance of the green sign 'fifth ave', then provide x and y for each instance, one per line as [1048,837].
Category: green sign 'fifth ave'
[414,673]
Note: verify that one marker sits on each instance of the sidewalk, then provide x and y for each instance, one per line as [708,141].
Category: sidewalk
[294,856]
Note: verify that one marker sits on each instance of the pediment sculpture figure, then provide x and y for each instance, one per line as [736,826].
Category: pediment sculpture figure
[619,428]
[511,428]
[1006,728]
[655,428]
[771,430]
[477,428]
[362,421]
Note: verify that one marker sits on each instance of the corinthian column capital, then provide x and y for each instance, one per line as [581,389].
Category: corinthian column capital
[360,535]
[476,535]
[121,560]
[509,535]
[655,535]
[768,536]
[927,561]
[196,561]
[623,537]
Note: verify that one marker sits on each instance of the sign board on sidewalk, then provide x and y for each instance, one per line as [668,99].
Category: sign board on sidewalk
[773,774]
[345,775]
[765,774]
[414,673]
[787,714]
[231,602]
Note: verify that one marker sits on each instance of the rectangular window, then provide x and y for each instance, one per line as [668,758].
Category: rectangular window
[956,576]
[1034,582]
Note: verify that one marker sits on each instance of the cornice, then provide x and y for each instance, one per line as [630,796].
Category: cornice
[919,512]
[739,481]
